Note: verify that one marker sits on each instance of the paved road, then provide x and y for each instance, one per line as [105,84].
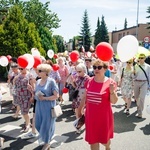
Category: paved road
[131,133]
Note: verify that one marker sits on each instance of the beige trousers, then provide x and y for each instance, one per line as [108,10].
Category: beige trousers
[140,90]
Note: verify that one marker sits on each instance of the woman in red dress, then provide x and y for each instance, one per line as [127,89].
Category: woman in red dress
[100,93]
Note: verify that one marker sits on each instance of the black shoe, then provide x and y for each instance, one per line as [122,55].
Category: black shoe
[125,106]
[127,112]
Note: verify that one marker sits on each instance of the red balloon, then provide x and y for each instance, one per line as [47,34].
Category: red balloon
[65,90]
[55,67]
[104,51]
[9,58]
[55,56]
[22,61]
[111,67]
[37,61]
[74,56]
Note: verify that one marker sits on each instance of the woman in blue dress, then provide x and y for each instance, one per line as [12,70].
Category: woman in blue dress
[46,93]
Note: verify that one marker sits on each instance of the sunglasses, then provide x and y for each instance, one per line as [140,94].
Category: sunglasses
[129,62]
[40,71]
[141,57]
[20,68]
[79,71]
[97,67]
[14,66]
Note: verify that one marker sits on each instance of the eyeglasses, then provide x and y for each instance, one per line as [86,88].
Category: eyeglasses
[129,62]
[97,67]
[20,68]
[79,71]
[141,57]
[40,71]
[14,66]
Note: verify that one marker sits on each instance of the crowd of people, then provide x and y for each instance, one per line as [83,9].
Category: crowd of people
[95,80]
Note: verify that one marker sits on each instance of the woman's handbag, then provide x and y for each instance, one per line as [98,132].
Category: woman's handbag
[56,111]
[75,94]
[78,123]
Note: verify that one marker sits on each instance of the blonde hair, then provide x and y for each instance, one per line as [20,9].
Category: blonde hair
[44,67]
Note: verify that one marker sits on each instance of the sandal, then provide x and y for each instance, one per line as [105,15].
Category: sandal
[26,128]
[13,107]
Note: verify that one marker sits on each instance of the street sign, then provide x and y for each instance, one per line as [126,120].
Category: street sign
[146,45]
[146,39]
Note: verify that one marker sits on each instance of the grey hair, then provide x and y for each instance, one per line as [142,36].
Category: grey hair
[82,66]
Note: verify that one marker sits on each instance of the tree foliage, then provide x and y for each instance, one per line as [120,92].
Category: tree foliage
[47,40]
[148,11]
[60,43]
[104,31]
[85,32]
[125,23]
[97,39]
[17,36]
[40,14]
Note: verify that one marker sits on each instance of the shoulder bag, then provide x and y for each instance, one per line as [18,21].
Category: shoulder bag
[56,111]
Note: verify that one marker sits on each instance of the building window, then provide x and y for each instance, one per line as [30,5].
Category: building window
[119,36]
[123,33]
[127,33]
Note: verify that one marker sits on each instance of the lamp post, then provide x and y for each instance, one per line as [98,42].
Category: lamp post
[137,19]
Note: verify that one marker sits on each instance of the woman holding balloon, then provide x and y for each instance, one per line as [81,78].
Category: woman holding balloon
[100,93]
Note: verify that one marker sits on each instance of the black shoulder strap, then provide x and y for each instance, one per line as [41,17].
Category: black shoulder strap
[122,73]
[145,74]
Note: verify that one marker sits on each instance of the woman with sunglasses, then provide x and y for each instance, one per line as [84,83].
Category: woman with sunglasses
[78,83]
[126,84]
[46,93]
[24,96]
[100,93]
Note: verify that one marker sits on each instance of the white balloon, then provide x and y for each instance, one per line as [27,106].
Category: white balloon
[3,61]
[50,53]
[30,59]
[127,48]
[88,54]
[35,52]
[32,49]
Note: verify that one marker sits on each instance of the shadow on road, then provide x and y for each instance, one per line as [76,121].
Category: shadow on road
[124,123]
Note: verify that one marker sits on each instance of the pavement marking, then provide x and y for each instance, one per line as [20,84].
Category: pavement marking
[15,132]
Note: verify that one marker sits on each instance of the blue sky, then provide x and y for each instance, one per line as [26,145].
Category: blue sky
[114,11]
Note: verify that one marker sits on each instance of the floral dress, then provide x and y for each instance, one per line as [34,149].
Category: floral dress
[80,82]
[23,95]
[127,83]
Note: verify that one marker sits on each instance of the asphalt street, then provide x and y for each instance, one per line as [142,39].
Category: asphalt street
[130,133]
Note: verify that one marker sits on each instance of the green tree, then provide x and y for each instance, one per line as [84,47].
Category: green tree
[60,43]
[104,31]
[33,39]
[40,14]
[148,11]
[17,36]
[47,40]
[125,23]
[97,36]
[85,32]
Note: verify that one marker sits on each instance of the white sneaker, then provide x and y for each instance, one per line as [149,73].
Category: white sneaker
[29,136]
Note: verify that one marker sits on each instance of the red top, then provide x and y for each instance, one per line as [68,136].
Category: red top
[99,120]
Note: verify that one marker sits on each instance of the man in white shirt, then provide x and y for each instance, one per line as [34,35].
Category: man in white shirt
[141,82]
